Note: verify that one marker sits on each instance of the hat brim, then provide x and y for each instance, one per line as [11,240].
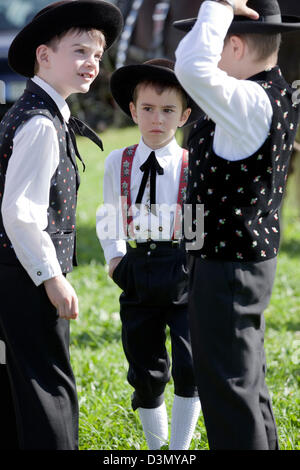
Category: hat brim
[96,14]
[241,25]
[125,79]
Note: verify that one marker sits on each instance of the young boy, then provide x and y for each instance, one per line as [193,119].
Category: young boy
[239,155]
[150,267]
[61,49]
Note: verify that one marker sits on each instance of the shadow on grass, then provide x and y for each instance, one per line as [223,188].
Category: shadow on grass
[291,247]
[95,341]
[284,326]
[88,246]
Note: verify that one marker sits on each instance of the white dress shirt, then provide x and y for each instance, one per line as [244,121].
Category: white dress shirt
[156,227]
[241,109]
[33,162]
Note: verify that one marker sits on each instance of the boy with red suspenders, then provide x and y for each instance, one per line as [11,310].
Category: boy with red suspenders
[150,267]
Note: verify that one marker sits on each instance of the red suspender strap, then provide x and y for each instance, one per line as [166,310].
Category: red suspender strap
[181,195]
[126,167]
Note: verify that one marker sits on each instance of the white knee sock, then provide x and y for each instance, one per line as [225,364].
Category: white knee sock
[155,426]
[185,413]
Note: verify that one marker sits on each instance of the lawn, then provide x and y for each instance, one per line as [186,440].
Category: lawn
[107,421]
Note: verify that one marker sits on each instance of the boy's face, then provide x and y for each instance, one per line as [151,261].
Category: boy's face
[158,116]
[73,65]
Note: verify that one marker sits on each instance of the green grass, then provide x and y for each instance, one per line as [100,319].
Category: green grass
[107,421]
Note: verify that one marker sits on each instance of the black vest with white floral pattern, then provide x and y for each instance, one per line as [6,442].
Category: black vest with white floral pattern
[242,198]
[64,183]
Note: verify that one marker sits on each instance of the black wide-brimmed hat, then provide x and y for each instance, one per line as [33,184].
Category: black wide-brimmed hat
[124,80]
[57,18]
[270,20]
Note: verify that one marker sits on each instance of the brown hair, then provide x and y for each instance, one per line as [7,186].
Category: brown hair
[160,86]
[264,45]
[54,42]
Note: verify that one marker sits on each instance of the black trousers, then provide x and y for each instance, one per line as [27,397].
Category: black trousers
[154,284]
[38,399]
[226,304]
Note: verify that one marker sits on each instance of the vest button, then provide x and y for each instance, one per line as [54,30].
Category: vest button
[153,246]
[160,229]
[137,227]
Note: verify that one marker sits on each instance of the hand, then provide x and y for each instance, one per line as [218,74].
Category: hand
[62,295]
[113,264]
[242,10]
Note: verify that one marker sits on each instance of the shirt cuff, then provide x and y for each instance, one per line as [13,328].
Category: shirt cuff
[115,250]
[220,13]
[42,273]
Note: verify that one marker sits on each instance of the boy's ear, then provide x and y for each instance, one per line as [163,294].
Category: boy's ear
[42,56]
[133,111]
[184,117]
[238,45]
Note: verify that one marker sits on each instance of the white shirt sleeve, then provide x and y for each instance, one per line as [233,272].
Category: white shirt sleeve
[109,218]
[25,203]
[241,109]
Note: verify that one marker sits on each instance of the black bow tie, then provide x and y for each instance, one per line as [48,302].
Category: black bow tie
[75,126]
[151,166]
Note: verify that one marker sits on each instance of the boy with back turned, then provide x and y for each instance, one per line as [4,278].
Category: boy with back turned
[239,156]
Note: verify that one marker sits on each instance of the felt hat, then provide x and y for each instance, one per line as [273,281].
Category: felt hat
[270,20]
[57,18]
[125,79]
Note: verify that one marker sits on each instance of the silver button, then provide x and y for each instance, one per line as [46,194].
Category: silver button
[152,246]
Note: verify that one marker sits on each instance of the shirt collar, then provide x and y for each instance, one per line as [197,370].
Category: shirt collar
[60,102]
[162,154]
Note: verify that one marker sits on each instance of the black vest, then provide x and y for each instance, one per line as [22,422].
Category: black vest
[242,198]
[64,183]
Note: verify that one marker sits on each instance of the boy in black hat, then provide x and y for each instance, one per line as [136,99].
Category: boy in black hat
[151,180]
[61,49]
[239,156]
